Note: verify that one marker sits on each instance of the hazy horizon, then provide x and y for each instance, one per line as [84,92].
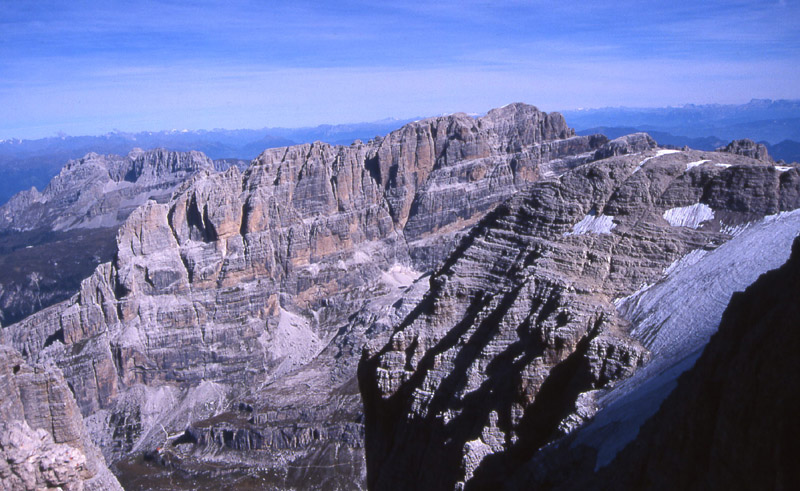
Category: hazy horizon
[381,120]
[88,68]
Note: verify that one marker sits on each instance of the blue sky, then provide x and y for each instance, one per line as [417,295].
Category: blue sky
[92,67]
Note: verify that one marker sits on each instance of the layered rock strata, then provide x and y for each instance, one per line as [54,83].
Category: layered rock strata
[519,333]
[51,240]
[728,423]
[220,302]
[100,191]
[43,441]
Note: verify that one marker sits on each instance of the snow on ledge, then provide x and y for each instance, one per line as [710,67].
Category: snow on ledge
[782,168]
[592,224]
[689,216]
[658,154]
[695,164]
[724,166]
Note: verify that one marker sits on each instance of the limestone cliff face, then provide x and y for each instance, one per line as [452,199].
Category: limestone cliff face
[520,329]
[51,240]
[43,441]
[101,190]
[245,283]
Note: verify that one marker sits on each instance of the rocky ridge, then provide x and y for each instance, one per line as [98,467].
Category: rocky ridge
[726,424]
[51,240]
[748,148]
[100,191]
[243,285]
[519,335]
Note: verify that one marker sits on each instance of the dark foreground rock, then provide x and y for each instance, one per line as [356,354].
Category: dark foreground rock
[731,422]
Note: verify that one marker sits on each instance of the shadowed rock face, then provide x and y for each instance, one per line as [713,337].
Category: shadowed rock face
[519,329]
[731,421]
[728,424]
[43,441]
[245,286]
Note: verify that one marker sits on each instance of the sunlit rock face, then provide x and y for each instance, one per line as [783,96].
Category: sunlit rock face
[246,285]
[53,239]
[43,441]
[533,325]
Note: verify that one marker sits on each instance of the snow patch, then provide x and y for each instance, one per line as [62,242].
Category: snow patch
[782,168]
[658,154]
[665,152]
[724,166]
[691,165]
[733,229]
[685,261]
[592,224]
[689,216]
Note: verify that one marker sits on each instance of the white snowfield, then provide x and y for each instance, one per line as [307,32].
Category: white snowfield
[676,317]
[689,216]
[592,224]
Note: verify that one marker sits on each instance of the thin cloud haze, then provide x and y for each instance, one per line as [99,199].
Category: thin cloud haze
[88,67]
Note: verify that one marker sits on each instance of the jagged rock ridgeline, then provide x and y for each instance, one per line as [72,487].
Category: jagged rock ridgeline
[245,281]
[43,441]
[519,330]
[729,421]
[748,148]
[100,191]
[51,240]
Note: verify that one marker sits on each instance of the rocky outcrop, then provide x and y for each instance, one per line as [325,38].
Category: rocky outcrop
[624,145]
[43,441]
[747,148]
[51,240]
[520,334]
[247,285]
[99,191]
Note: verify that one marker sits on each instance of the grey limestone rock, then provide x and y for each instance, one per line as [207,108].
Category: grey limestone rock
[53,239]
[520,332]
[747,148]
[100,191]
[246,285]
[43,441]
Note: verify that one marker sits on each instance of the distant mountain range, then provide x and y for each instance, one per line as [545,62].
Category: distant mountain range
[787,150]
[776,124]
[27,163]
